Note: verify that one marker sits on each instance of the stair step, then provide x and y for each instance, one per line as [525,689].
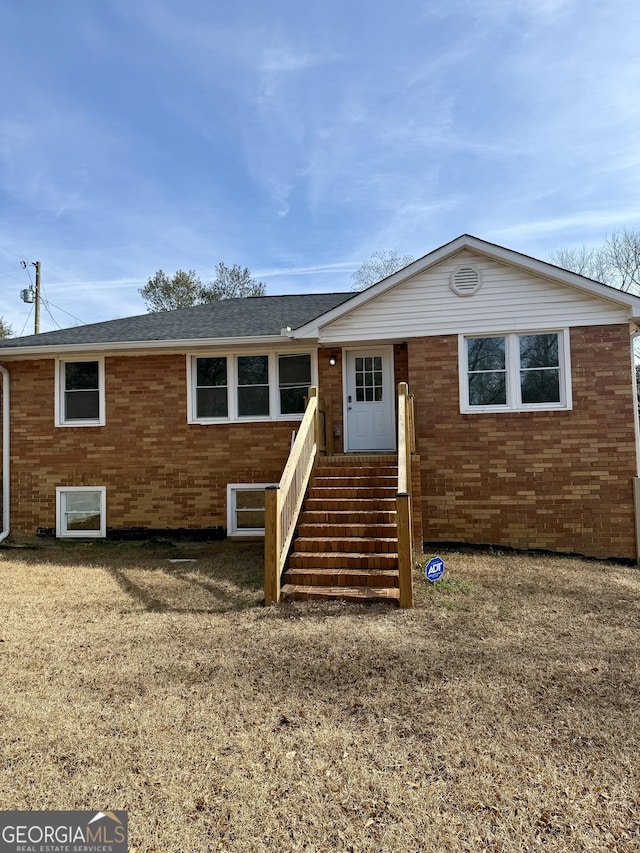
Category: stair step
[348,516]
[352,473]
[301,592]
[347,537]
[314,576]
[359,460]
[339,530]
[342,560]
[348,544]
[374,480]
[315,504]
[352,492]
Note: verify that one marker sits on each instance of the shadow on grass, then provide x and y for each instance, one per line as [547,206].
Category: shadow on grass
[163,576]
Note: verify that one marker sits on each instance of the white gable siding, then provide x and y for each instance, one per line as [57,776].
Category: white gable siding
[509,299]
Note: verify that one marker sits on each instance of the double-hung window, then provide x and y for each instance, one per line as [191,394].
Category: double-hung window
[262,386]
[294,379]
[245,509]
[212,388]
[80,392]
[515,372]
[253,386]
[81,511]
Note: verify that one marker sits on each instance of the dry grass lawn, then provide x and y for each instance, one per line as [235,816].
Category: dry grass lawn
[501,714]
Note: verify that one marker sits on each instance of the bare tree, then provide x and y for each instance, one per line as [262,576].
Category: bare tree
[380,265]
[616,262]
[621,255]
[584,261]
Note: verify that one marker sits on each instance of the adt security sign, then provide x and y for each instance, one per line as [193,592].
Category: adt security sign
[434,569]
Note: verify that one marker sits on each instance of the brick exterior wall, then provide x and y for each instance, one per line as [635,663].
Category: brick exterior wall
[330,389]
[561,481]
[159,470]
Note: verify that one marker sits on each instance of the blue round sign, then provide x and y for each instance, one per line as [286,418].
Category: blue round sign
[434,569]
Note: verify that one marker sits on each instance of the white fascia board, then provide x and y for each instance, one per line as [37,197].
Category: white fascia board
[141,346]
[488,250]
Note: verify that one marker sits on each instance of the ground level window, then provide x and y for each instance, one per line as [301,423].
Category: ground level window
[245,509]
[81,511]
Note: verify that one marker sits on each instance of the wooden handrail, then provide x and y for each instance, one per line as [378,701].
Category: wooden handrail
[284,501]
[406,443]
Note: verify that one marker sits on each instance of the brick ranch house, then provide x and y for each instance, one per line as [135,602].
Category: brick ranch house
[521,375]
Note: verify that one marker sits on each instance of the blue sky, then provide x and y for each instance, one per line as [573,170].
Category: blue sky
[298,138]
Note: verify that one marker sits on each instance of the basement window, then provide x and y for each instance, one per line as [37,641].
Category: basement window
[245,509]
[81,511]
[79,393]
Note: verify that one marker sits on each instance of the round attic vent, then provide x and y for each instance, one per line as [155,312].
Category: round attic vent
[465,280]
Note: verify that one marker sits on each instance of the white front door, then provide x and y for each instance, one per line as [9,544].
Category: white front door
[369,400]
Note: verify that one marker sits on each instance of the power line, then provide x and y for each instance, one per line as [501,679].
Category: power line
[53,319]
[73,316]
[15,278]
[26,321]
[8,252]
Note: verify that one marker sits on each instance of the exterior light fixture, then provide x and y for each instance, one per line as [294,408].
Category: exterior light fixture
[332,360]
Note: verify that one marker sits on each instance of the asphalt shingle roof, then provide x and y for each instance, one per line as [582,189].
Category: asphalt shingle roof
[253,316]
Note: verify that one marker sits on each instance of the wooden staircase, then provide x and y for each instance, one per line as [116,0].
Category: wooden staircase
[347,542]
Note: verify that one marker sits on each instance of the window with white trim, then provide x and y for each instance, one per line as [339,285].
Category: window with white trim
[211,388]
[245,509]
[515,372]
[253,386]
[80,392]
[257,387]
[294,379]
[81,511]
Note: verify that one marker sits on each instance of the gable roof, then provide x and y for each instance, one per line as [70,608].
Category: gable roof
[263,318]
[247,317]
[484,249]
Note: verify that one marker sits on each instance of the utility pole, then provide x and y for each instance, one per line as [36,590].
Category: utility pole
[28,294]
[37,322]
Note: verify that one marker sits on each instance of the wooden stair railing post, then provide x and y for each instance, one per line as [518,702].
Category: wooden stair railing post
[403,499]
[405,567]
[272,545]
[317,421]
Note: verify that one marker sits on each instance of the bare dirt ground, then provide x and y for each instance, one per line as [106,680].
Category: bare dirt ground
[501,714]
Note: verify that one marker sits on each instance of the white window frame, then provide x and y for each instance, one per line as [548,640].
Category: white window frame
[512,365]
[232,385]
[235,387]
[60,389]
[61,529]
[232,489]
